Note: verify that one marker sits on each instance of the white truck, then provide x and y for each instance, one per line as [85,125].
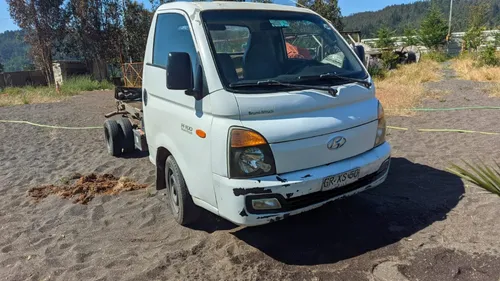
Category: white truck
[254,112]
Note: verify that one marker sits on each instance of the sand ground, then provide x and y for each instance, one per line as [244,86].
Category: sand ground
[422,224]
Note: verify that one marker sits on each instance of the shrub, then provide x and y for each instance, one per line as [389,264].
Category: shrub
[390,59]
[488,56]
[376,71]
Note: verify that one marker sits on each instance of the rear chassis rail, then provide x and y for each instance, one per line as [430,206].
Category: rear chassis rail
[129,106]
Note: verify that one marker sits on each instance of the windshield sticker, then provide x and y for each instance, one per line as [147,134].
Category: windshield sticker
[279,23]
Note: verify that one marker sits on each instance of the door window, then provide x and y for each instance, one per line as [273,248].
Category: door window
[172,34]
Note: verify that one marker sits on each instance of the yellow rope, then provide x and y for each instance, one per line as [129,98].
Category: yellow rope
[397,128]
[446,131]
[458,131]
[49,126]
[389,127]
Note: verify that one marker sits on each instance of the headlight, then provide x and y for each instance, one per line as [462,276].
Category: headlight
[381,127]
[249,155]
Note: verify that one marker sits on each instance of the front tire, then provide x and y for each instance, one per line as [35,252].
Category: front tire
[181,203]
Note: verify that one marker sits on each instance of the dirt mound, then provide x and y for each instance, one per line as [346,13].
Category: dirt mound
[86,187]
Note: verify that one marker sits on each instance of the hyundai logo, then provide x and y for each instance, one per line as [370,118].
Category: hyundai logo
[336,143]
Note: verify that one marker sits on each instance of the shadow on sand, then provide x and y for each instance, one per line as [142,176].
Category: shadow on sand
[413,197]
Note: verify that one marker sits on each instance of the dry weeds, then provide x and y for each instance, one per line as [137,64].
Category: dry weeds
[403,88]
[465,69]
[494,90]
[86,188]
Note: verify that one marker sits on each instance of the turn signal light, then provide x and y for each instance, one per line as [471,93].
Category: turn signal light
[246,138]
[201,134]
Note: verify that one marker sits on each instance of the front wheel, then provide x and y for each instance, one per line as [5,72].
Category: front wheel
[181,203]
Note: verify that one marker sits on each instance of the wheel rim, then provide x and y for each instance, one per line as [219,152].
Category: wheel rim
[174,197]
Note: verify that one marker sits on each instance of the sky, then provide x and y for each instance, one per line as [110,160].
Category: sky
[348,7]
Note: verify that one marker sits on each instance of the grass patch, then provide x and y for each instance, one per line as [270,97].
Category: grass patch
[72,86]
[494,90]
[467,68]
[436,56]
[403,88]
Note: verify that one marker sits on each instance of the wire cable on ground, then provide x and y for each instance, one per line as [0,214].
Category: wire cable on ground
[446,109]
[389,127]
[49,126]
[446,131]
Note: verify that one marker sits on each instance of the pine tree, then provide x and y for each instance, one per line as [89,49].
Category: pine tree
[329,9]
[385,39]
[433,29]
[410,37]
[477,19]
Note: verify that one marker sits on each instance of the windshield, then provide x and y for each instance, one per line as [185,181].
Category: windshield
[250,46]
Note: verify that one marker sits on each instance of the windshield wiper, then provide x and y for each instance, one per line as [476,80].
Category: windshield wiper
[267,83]
[326,76]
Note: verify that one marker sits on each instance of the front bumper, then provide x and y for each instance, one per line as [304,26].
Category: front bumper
[298,191]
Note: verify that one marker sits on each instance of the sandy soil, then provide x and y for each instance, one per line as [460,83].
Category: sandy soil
[422,224]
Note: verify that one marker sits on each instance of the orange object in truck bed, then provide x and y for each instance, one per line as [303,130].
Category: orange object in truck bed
[295,52]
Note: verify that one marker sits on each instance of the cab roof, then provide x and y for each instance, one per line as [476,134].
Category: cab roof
[196,7]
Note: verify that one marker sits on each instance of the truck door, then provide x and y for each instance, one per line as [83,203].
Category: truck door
[171,117]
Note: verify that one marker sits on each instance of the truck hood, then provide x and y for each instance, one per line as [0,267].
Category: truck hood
[288,116]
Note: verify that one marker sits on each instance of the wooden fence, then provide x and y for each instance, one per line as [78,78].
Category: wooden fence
[22,78]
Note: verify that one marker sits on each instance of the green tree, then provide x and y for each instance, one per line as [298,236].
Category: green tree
[386,42]
[433,29]
[1,67]
[96,32]
[477,19]
[329,9]
[136,28]
[385,38]
[410,37]
[43,23]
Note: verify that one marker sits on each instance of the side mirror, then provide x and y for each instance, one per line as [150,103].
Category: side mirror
[360,51]
[179,71]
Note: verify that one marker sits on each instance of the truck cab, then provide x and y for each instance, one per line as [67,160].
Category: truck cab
[256,112]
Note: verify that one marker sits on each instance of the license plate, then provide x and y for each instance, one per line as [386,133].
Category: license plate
[340,180]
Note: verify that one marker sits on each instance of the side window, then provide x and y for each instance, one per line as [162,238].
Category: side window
[172,34]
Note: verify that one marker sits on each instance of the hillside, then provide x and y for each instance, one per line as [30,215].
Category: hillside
[397,17]
[13,51]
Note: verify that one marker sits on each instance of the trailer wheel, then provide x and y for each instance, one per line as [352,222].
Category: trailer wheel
[113,135]
[128,135]
[411,57]
[181,203]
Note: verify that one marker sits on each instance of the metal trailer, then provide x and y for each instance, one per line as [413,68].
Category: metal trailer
[126,134]
[405,55]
